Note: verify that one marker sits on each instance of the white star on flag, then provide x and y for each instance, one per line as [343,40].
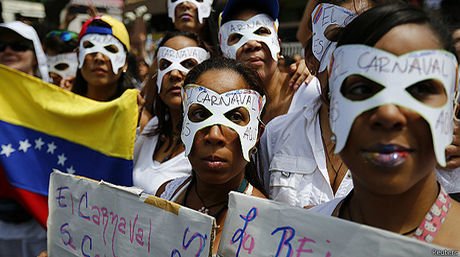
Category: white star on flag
[70,170]
[39,143]
[24,145]
[51,148]
[7,150]
[61,159]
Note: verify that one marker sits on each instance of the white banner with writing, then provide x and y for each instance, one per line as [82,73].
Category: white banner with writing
[259,227]
[91,218]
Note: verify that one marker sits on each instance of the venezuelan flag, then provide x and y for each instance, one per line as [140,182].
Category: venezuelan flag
[43,127]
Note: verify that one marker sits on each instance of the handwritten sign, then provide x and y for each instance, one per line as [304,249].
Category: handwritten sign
[89,218]
[258,227]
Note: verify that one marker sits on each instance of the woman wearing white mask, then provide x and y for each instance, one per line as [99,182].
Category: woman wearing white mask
[313,174]
[195,16]
[102,53]
[249,33]
[60,46]
[392,122]
[222,104]
[159,152]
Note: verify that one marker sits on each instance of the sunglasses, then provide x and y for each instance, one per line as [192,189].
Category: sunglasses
[16,46]
[64,35]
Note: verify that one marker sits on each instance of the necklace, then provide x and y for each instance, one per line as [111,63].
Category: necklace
[338,172]
[329,152]
[334,173]
[206,208]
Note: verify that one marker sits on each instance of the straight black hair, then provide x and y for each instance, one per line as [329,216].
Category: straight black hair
[372,25]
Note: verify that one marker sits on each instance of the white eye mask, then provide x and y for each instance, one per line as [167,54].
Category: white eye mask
[101,43]
[247,31]
[218,105]
[204,8]
[395,74]
[176,58]
[65,65]
[322,17]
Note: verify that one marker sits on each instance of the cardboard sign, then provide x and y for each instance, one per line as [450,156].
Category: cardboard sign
[90,218]
[259,227]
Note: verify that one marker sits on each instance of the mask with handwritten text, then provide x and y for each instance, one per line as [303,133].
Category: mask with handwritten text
[108,45]
[178,60]
[250,30]
[64,65]
[395,74]
[204,8]
[324,17]
[219,107]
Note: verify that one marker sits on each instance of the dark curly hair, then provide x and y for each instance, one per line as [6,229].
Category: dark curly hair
[372,25]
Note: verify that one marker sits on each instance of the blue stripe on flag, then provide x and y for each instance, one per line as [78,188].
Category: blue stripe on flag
[29,156]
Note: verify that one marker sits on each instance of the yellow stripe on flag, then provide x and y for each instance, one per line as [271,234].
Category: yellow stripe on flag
[107,127]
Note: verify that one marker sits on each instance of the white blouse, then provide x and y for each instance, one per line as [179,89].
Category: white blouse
[149,174]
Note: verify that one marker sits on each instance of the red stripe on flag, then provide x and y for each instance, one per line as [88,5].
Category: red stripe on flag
[6,190]
[35,204]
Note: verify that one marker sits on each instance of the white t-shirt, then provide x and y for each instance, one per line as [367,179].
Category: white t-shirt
[149,174]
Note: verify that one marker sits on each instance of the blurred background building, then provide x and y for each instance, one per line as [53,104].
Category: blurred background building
[51,14]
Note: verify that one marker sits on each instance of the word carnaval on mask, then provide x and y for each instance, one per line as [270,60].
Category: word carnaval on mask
[183,53]
[226,100]
[261,22]
[421,65]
